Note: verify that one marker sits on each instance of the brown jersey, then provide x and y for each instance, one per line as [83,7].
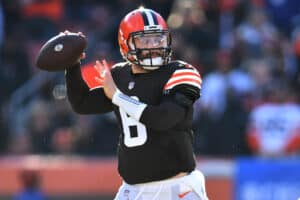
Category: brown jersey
[159,145]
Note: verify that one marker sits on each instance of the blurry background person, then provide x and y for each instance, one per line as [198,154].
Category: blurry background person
[274,127]
[30,180]
[220,119]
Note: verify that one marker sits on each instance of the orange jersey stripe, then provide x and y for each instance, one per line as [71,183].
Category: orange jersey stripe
[176,74]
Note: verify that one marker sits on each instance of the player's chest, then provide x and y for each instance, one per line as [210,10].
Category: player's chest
[147,87]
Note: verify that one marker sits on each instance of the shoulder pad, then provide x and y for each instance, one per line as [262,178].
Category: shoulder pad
[185,79]
[184,76]
[181,64]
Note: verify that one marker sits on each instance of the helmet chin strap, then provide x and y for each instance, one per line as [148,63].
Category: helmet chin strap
[156,62]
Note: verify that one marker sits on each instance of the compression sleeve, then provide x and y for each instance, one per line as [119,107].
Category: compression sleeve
[82,99]
[167,114]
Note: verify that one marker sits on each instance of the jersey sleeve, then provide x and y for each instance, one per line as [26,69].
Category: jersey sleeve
[186,80]
[165,115]
[83,99]
[176,104]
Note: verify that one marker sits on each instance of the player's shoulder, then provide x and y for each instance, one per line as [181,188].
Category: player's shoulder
[181,65]
[184,78]
[183,74]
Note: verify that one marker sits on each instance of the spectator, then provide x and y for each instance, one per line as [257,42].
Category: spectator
[255,35]
[274,127]
[289,10]
[220,118]
[97,135]
[63,140]
[224,82]
[39,127]
[30,180]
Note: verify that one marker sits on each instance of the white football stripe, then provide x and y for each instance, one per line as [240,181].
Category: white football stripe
[183,77]
[186,70]
[150,18]
[189,83]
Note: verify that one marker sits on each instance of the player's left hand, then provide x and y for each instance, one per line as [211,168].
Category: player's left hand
[105,79]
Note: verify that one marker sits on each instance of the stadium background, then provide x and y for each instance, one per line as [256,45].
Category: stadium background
[243,48]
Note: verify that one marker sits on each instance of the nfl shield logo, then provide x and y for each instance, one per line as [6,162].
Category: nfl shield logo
[131,85]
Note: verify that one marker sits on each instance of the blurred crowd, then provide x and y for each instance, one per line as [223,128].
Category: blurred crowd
[247,51]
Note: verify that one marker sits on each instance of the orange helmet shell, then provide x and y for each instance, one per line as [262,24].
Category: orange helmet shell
[139,20]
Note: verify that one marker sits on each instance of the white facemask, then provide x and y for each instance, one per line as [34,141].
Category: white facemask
[157,61]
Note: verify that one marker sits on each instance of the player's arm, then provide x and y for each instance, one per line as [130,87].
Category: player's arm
[171,110]
[182,90]
[168,113]
[82,99]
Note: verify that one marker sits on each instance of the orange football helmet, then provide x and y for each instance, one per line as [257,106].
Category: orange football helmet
[144,39]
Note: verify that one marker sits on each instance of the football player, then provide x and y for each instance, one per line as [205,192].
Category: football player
[152,98]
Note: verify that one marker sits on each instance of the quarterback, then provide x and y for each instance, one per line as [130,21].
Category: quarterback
[152,97]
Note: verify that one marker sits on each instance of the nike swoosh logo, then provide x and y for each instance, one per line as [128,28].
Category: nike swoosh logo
[182,195]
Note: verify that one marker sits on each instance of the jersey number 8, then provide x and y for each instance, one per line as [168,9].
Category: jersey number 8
[130,126]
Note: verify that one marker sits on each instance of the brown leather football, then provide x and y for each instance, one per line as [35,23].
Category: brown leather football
[61,51]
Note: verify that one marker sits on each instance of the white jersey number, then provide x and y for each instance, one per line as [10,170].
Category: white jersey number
[131,127]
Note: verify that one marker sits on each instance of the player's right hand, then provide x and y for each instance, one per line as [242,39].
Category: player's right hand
[105,79]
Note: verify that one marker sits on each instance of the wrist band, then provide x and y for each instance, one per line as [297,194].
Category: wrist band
[131,106]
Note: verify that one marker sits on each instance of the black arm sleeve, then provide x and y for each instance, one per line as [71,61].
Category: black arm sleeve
[82,100]
[167,114]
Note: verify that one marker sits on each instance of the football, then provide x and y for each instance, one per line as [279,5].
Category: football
[61,51]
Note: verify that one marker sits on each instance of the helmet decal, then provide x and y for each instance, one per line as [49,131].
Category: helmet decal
[149,18]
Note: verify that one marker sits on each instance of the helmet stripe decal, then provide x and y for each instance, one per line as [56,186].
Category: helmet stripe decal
[145,19]
[154,18]
[149,18]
